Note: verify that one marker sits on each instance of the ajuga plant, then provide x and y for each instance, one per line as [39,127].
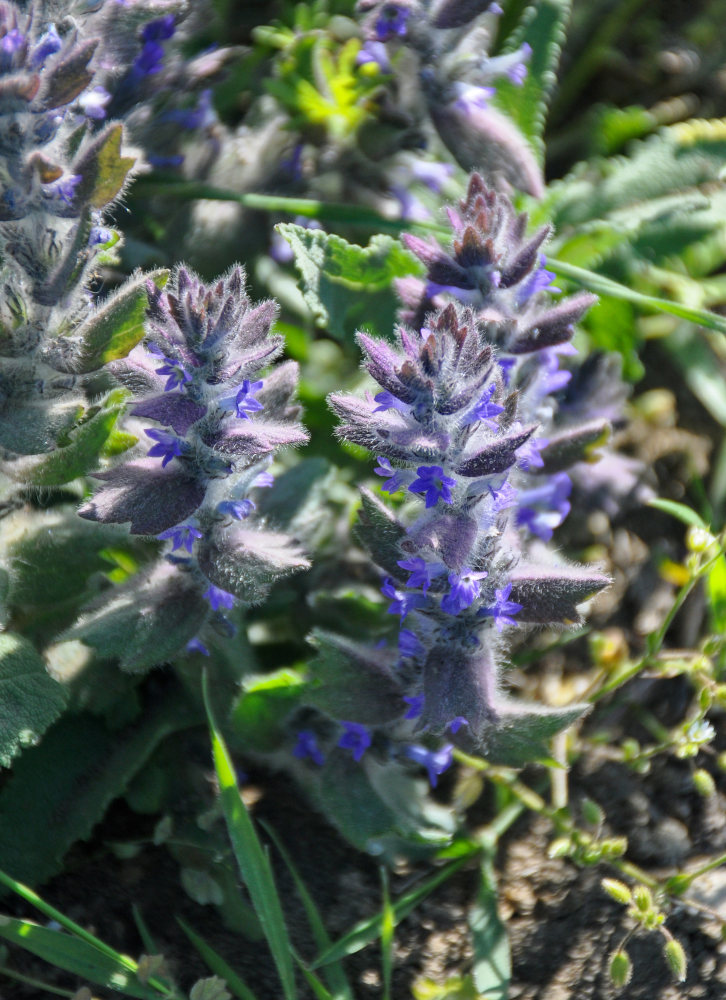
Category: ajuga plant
[214,428]
[466,433]
[82,595]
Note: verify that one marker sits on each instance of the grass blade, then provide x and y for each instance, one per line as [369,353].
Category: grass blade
[679,510]
[26,893]
[313,982]
[217,964]
[606,286]
[492,969]
[253,862]
[78,957]
[388,927]
[334,974]
[368,930]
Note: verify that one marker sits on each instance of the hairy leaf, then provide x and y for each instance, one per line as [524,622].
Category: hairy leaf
[30,700]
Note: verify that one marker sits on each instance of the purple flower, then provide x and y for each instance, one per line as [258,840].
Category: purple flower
[181,536]
[470,97]
[263,480]
[502,609]
[238,509]
[244,402]
[416,701]
[355,738]
[93,103]
[392,22]
[178,375]
[64,189]
[201,116]
[374,52]
[218,598]
[307,746]
[544,508]
[528,455]
[394,476]
[10,43]
[552,378]
[47,45]
[401,602]
[517,73]
[387,401]
[538,281]
[456,724]
[167,445]
[465,588]
[197,646]
[99,235]
[432,173]
[149,60]
[165,161]
[160,30]
[435,761]
[409,644]
[506,365]
[421,572]
[485,411]
[432,481]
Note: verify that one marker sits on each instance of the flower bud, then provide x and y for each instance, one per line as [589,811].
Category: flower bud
[621,968]
[617,890]
[676,958]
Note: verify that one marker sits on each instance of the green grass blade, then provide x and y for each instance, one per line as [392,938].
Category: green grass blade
[217,964]
[36,983]
[26,893]
[679,510]
[253,862]
[334,974]
[313,982]
[492,966]
[144,932]
[368,930]
[388,927]
[78,957]
[606,286]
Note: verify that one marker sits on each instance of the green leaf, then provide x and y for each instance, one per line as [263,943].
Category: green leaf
[347,286]
[543,27]
[79,957]
[30,700]
[522,734]
[145,621]
[370,929]
[492,968]
[217,964]
[78,458]
[265,702]
[679,510]
[611,326]
[103,169]
[253,862]
[80,768]
[116,326]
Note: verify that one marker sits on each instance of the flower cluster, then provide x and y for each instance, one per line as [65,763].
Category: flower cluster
[464,432]
[215,429]
[61,169]
[457,77]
